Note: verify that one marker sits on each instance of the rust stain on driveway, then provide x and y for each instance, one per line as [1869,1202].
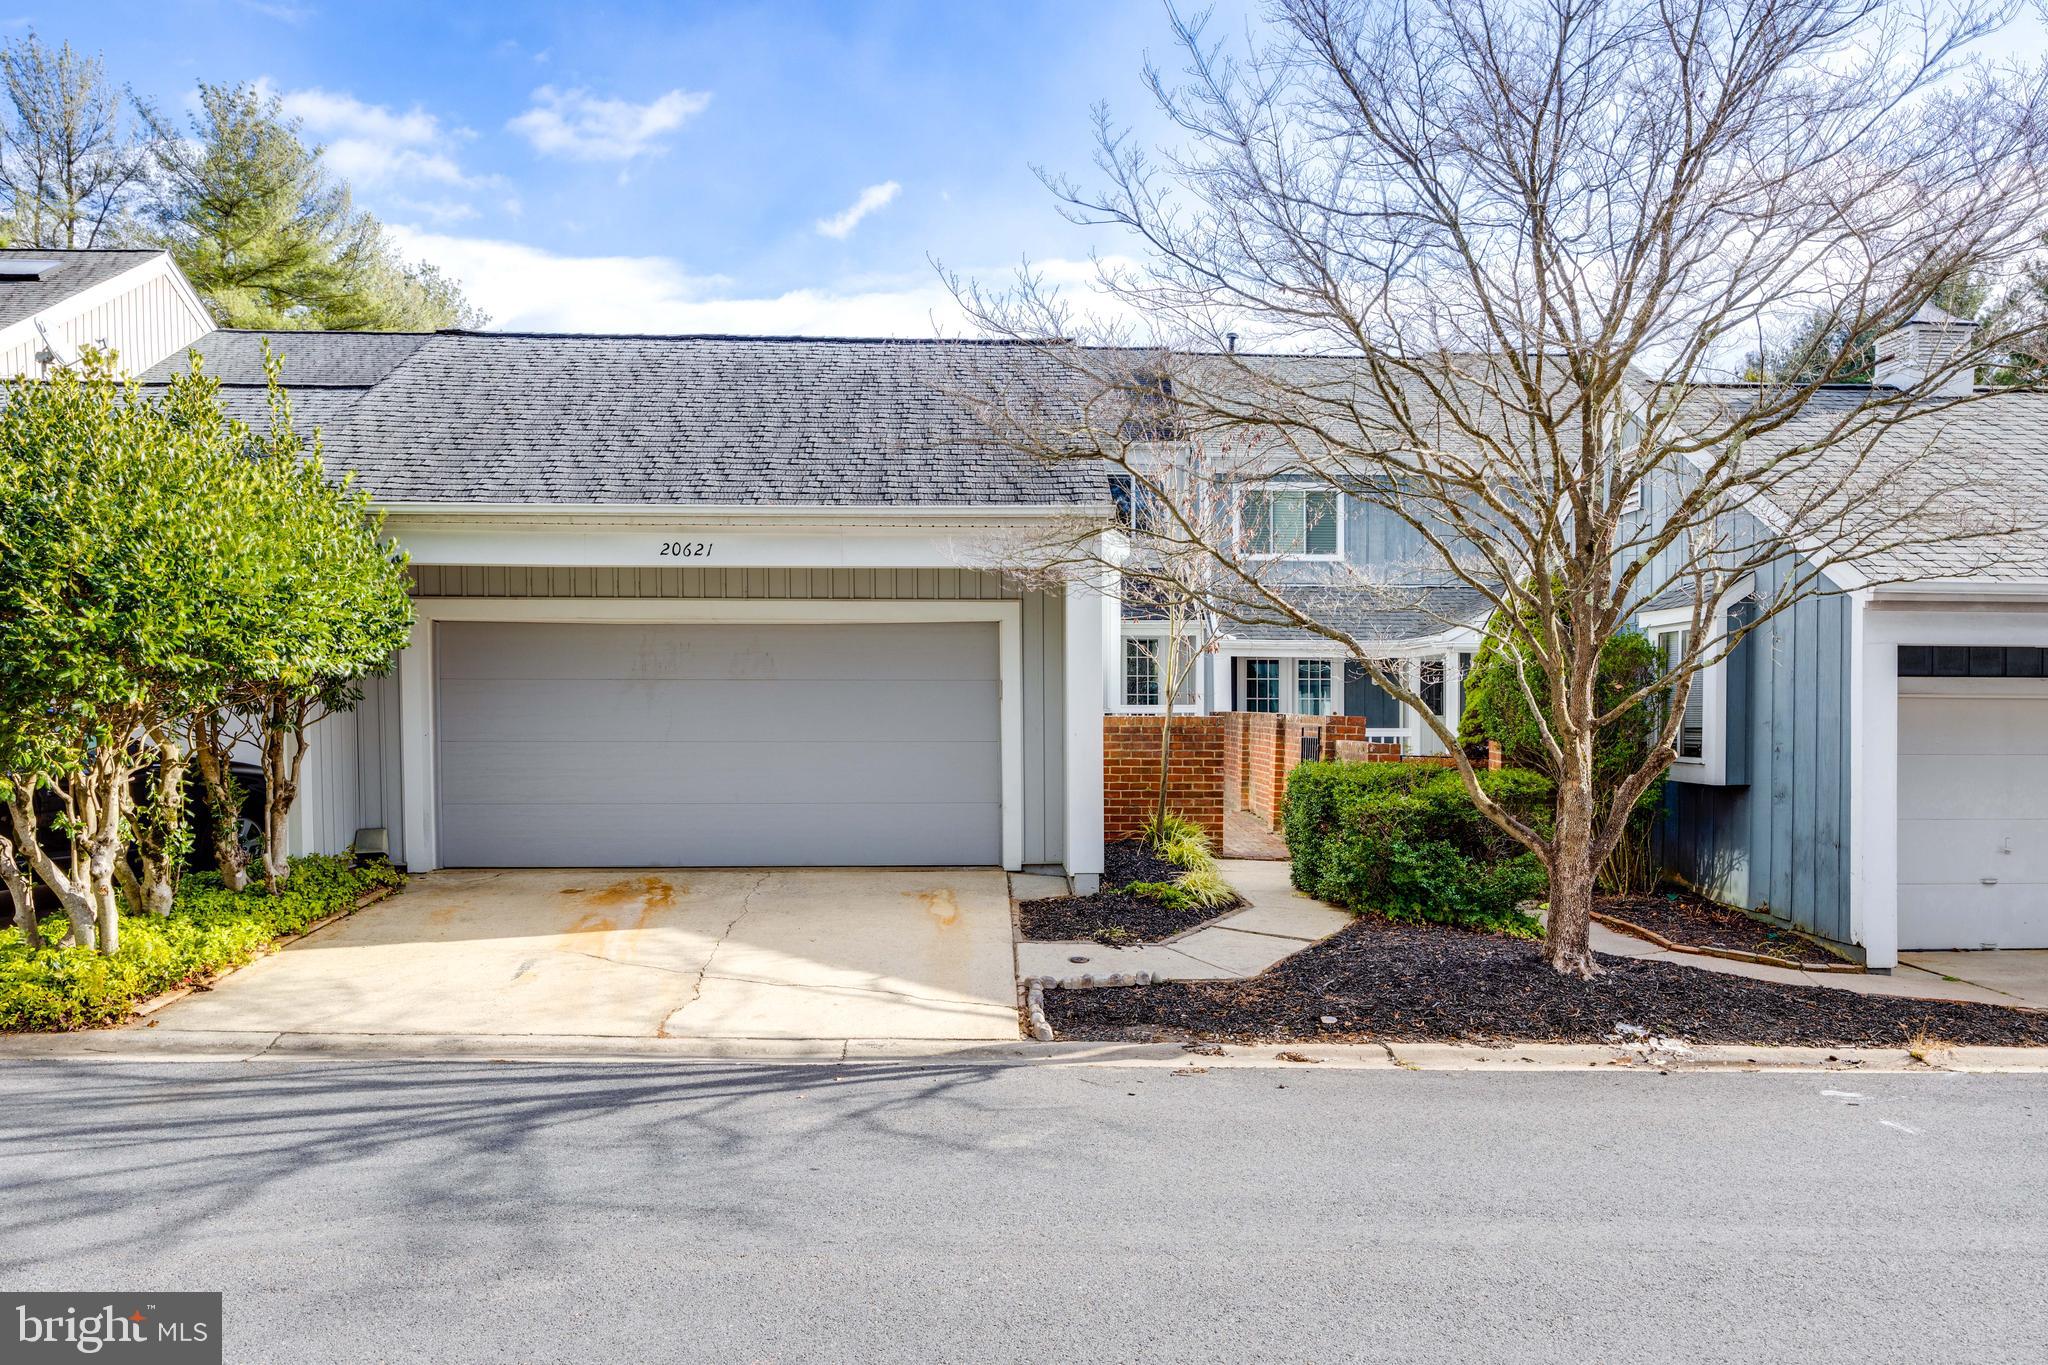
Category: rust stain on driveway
[942,905]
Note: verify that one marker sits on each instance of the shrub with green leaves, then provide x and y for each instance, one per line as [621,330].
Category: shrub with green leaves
[1406,842]
[208,930]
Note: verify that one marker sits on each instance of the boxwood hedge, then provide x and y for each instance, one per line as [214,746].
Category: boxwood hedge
[1405,841]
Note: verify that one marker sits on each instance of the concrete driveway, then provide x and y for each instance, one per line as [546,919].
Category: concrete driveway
[705,953]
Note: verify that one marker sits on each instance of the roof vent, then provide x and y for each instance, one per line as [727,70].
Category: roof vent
[19,268]
[1914,354]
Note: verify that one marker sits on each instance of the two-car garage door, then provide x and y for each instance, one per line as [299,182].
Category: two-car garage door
[718,745]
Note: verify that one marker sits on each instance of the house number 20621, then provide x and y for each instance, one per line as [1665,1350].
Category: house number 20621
[685,549]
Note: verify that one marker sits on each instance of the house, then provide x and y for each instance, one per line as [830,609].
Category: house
[750,581]
[1870,765]
[699,601]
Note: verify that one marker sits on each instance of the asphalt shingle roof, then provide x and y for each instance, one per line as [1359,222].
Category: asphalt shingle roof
[523,418]
[77,271]
[1377,614]
[1957,491]
[346,359]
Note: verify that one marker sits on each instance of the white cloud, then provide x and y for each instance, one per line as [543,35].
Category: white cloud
[874,197]
[578,124]
[375,146]
[526,288]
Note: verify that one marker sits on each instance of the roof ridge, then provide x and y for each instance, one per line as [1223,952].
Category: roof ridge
[735,336]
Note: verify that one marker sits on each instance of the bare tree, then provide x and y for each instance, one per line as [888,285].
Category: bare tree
[72,150]
[1498,252]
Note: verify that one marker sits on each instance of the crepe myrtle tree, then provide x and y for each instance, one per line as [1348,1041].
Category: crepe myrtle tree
[117,578]
[324,602]
[1495,253]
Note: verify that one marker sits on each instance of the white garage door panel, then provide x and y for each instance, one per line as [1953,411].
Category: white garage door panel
[1973,818]
[641,710]
[496,650]
[727,836]
[741,772]
[718,745]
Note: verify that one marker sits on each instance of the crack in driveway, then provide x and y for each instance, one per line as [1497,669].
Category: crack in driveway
[697,986]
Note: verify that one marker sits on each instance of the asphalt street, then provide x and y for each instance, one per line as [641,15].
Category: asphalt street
[428,1211]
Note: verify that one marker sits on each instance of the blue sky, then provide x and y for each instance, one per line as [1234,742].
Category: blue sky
[782,166]
[752,167]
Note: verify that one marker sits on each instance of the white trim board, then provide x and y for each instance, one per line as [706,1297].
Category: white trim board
[689,538]
[419,781]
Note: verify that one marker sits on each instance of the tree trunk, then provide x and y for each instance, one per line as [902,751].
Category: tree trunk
[70,890]
[284,755]
[210,750]
[1566,939]
[1165,767]
[20,889]
[161,833]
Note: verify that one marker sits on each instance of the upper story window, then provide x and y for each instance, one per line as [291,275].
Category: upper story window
[1136,505]
[1151,411]
[1282,521]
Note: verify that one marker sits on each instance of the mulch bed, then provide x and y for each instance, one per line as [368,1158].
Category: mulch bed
[1110,916]
[1695,922]
[1430,983]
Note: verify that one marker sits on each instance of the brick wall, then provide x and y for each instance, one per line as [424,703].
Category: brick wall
[1262,748]
[1130,773]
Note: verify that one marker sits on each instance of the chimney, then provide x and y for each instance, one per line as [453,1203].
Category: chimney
[1922,345]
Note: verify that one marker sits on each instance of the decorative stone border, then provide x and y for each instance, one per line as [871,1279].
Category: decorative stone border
[1036,987]
[177,993]
[1732,954]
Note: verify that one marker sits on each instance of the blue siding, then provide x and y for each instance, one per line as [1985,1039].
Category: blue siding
[1779,843]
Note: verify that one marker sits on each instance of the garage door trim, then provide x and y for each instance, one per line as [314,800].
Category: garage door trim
[417,673]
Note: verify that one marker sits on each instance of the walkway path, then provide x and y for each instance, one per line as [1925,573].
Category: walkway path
[2021,977]
[1278,923]
[1245,836]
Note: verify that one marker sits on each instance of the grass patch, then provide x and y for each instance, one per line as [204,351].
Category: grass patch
[209,930]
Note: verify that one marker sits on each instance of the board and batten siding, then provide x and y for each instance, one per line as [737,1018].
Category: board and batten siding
[375,778]
[1780,842]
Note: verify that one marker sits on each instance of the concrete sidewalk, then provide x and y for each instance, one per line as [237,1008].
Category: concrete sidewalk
[1277,923]
[1987,978]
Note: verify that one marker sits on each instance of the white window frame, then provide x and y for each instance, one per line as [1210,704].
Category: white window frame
[1332,685]
[1288,486]
[1195,703]
[1710,769]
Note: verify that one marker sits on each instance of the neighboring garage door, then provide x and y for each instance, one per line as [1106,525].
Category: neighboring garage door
[1973,814]
[718,745]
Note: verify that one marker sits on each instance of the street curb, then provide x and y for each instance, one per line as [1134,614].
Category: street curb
[160,1045]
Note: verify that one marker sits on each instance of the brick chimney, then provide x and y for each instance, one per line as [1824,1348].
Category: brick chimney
[1917,348]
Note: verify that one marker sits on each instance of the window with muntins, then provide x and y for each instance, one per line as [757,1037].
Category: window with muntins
[1431,685]
[1291,522]
[1262,684]
[1312,686]
[1972,661]
[1141,672]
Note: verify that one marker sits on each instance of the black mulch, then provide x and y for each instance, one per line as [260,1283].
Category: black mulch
[1112,916]
[1696,922]
[1419,983]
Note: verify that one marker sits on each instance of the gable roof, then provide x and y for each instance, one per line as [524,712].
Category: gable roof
[1976,471]
[74,273]
[524,418]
